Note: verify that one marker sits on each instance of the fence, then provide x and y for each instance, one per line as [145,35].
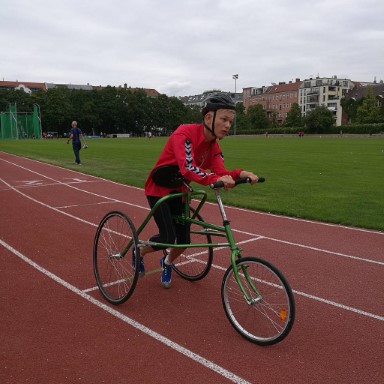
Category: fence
[20,125]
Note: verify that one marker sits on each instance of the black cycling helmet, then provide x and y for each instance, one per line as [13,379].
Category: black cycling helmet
[213,103]
[217,101]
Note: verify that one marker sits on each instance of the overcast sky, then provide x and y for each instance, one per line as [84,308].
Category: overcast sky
[185,47]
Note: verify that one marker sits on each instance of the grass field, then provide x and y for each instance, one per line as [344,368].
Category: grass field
[337,180]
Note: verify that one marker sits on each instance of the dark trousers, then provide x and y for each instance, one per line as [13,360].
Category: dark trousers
[169,231]
[76,150]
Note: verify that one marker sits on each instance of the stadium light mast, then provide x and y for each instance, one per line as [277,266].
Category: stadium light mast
[235,77]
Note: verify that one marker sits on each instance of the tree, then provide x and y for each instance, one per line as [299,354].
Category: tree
[57,113]
[108,110]
[241,118]
[368,112]
[22,99]
[319,119]
[350,107]
[294,118]
[273,119]
[256,117]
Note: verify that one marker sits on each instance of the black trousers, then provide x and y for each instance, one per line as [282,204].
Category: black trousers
[169,231]
[76,150]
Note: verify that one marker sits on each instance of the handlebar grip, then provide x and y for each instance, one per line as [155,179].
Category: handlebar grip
[242,180]
[217,185]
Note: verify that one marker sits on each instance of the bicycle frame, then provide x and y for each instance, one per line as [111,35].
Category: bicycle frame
[207,229]
[263,315]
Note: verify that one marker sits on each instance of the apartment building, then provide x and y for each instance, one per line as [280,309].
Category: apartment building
[276,99]
[359,91]
[30,87]
[198,100]
[326,92]
[25,86]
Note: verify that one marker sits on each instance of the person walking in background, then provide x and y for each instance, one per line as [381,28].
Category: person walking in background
[76,136]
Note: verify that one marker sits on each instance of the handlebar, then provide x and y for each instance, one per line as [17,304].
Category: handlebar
[242,180]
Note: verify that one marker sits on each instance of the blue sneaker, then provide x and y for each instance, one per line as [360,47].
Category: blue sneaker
[166,273]
[142,267]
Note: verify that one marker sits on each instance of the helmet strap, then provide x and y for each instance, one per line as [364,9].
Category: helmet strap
[213,124]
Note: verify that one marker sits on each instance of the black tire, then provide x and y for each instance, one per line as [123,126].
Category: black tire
[269,317]
[194,263]
[112,262]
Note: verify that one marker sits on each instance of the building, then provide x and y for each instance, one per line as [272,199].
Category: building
[324,91]
[276,99]
[25,86]
[359,91]
[198,100]
[29,87]
[85,87]
[254,95]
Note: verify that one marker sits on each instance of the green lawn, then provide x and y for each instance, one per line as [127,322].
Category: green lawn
[338,180]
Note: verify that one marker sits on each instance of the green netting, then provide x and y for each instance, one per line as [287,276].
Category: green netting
[14,125]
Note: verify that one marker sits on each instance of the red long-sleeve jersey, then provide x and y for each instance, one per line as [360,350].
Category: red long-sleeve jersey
[187,149]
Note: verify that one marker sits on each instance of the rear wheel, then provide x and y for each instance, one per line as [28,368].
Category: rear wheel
[268,316]
[115,275]
[194,263]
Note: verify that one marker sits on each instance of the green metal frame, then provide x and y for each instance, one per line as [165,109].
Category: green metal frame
[207,229]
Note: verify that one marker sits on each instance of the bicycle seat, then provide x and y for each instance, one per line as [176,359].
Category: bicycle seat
[168,176]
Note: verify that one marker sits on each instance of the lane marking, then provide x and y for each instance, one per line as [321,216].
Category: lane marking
[299,293]
[110,200]
[320,299]
[47,206]
[29,183]
[355,229]
[255,237]
[142,328]
[326,251]
[342,306]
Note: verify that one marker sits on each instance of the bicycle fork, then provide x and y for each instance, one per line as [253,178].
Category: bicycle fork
[236,254]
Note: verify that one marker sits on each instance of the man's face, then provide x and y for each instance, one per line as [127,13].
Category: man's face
[223,121]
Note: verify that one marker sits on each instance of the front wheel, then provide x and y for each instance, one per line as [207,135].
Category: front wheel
[115,274]
[266,316]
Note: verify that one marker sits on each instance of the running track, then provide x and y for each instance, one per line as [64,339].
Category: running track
[57,328]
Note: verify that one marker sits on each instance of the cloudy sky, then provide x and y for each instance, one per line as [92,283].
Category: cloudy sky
[185,47]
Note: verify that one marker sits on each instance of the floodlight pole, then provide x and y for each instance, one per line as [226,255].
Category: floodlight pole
[235,77]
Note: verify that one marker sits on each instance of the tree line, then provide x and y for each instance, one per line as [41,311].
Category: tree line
[108,110]
[114,110]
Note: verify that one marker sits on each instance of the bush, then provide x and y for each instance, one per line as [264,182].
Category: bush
[272,131]
[363,129]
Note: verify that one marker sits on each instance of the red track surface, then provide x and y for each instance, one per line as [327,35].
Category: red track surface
[57,328]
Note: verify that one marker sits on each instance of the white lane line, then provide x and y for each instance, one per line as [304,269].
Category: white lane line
[342,306]
[309,296]
[320,223]
[142,328]
[299,293]
[69,185]
[110,200]
[324,251]
[256,237]
[48,206]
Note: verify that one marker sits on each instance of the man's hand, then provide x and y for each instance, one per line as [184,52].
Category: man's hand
[251,175]
[228,181]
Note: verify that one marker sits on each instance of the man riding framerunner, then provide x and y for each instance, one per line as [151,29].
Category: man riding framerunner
[195,150]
